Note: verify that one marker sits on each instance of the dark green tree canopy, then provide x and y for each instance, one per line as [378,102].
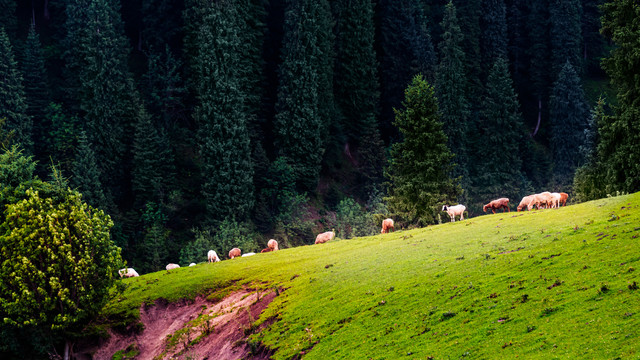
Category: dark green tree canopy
[420,166]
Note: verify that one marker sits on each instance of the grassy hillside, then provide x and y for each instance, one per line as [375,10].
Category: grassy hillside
[558,283]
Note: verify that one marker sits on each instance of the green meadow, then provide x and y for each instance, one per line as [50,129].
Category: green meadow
[556,283]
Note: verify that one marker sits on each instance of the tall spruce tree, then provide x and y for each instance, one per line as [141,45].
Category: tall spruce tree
[566,34]
[150,163]
[619,147]
[86,174]
[420,165]
[36,91]
[98,54]
[451,91]
[13,105]
[407,50]
[568,116]
[469,13]
[493,44]
[298,126]
[497,163]
[221,114]
[8,18]
[357,89]
[593,44]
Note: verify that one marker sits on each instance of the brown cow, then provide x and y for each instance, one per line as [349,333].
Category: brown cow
[235,252]
[502,203]
[387,224]
[324,237]
[563,198]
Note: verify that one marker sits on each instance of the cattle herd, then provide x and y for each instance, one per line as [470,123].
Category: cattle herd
[543,200]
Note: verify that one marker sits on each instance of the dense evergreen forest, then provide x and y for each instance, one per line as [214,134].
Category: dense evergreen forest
[199,124]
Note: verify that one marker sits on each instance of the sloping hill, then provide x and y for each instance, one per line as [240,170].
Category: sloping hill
[556,283]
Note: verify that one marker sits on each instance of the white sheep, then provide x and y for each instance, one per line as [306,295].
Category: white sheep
[248,254]
[172,266]
[128,272]
[192,264]
[454,211]
[212,256]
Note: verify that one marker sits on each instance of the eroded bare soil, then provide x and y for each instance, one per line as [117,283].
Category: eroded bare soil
[169,330]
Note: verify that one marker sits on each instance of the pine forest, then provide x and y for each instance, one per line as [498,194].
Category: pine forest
[213,124]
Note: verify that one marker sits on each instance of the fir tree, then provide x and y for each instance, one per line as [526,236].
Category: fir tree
[13,105]
[420,164]
[221,114]
[298,126]
[164,88]
[568,116]
[357,92]
[566,34]
[451,87]
[497,162]
[619,147]
[593,43]
[469,14]
[8,18]
[62,136]
[36,90]
[86,175]
[149,159]
[407,50]
[98,54]
[493,43]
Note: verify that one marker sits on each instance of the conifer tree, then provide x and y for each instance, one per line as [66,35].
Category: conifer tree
[98,54]
[13,105]
[493,44]
[164,88]
[619,147]
[357,86]
[222,115]
[407,50]
[298,126]
[8,18]
[86,175]
[469,13]
[420,165]
[36,90]
[593,43]
[566,34]
[497,163]
[451,88]
[62,136]
[568,116]
[149,161]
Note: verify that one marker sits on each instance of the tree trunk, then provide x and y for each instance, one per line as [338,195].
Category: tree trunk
[539,118]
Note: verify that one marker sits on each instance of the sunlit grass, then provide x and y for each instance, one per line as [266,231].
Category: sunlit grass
[555,283]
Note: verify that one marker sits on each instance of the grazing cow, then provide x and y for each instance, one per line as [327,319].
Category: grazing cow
[266,250]
[454,211]
[556,198]
[128,272]
[541,201]
[324,237]
[502,203]
[235,252]
[387,224]
[524,203]
[172,266]
[563,198]
[273,245]
[212,256]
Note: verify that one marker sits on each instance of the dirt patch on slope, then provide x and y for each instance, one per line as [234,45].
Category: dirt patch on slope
[179,330]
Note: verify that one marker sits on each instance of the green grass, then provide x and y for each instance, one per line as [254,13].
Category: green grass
[547,284]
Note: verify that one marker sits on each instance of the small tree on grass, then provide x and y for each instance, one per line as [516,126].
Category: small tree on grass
[58,260]
[418,173]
